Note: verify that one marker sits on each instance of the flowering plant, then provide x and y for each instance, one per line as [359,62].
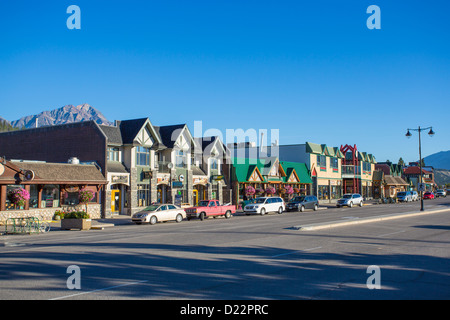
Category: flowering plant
[249,191]
[288,190]
[19,196]
[270,190]
[85,196]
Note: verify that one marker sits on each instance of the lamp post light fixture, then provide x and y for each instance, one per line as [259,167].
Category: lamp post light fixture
[408,135]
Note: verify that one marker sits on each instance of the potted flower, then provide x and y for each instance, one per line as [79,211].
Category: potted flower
[76,220]
[19,197]
[58,215]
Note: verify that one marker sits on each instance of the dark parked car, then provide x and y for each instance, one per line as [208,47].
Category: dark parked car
[300,203]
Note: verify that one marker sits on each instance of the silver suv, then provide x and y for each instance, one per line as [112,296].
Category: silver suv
[350,199]
[404,196]
[440,193]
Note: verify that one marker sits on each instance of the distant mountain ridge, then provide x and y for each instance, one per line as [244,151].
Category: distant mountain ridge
[439,160]
[66,114]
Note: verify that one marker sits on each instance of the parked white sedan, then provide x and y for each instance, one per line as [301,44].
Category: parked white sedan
[159,212]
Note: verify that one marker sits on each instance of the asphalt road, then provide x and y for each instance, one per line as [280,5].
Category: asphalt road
[245,257]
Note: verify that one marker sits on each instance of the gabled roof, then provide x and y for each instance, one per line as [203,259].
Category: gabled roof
[206,144]
[415,170]
[170,134]
[244,168]
[301,171]
[126,131]
[313,148]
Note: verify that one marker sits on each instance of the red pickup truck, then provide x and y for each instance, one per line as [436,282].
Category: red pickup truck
[209,208]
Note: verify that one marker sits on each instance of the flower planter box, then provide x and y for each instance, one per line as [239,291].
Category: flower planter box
[81,224]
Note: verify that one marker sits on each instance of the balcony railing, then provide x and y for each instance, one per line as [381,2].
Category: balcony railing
[163,166]
[349,171]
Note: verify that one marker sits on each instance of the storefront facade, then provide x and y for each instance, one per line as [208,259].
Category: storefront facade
[50,187]
[324,164]
[268,177]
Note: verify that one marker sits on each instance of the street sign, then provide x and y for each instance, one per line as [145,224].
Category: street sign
[421,187]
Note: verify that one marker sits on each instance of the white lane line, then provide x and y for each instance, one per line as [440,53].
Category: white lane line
[97,290]
[292,252]
[389,234]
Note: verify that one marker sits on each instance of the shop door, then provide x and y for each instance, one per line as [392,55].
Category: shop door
[115,201]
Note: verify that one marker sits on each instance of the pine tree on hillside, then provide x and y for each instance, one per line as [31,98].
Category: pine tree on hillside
[6,126]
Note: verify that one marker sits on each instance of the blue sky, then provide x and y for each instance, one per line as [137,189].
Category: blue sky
[311,69]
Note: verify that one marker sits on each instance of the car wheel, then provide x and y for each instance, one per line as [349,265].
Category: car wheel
[202,216]
[350,204]
[280,210]
[361,204]
[179,218]
[316,207]
[228,215]
[153,220]
[263,211]
[302,208]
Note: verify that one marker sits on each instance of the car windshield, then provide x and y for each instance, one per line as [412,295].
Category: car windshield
[151,208]
[203,203]
[401,193]
[347,196]
[298,199]
[260,200]
[439,190]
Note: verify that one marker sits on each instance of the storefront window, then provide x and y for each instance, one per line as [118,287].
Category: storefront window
[50,196]
[34,196]
[323,193]
[71,198]
[143,195]
[335,192]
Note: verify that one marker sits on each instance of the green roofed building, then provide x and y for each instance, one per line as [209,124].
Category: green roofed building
[286,178]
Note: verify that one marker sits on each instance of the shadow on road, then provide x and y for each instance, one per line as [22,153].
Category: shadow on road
[220,272]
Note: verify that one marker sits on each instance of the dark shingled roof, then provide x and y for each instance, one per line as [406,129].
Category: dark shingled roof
[130,129]
[63,172]
[125,131]
[113,134]
[169,134]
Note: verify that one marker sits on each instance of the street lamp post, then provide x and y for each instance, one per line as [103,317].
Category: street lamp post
[408,135]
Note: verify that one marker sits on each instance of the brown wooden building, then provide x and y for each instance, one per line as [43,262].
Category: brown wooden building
[51,186]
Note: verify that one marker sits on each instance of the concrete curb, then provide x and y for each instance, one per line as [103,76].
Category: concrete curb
[333,224]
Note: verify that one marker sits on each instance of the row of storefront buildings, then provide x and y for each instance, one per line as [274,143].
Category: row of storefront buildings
[134,163]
